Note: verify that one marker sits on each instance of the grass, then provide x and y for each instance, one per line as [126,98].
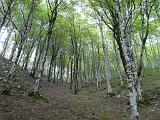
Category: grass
[104,116]
[90,98]
[150,78]
[80,101]
[151,72]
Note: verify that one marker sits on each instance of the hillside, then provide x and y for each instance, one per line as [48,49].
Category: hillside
[61,104]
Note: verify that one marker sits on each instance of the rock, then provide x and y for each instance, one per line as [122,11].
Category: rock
[18,86]
[5,71]
[152,110]
[118,96]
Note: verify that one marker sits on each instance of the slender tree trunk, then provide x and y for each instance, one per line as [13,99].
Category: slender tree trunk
[13,51]
[136,47]
[55,50]
[149,63]
[3,53]
[28,57]
[117,63]
[68,69]
[71,74]
[76,61]
[54,70]
[37,58]
[50,69]
[106,59]
[84,63]
[143,40]
[158,50]
[156,62]
[10,2]
[21,58]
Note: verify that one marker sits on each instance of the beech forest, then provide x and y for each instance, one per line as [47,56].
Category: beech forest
[79,60]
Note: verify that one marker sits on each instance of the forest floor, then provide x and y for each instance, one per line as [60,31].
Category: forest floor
[61,104]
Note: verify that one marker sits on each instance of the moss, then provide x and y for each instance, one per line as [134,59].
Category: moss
[111,94]
[78,104]
[144,102]
[76,92]
[36,95]
[6,92]
[123,116]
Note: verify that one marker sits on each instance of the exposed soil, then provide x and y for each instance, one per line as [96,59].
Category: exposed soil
[62,104]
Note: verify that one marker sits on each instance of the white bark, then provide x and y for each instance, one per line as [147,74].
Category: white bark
[117,62]
[3,53]
[13,51]
[97,73]
[156,62]
[130,69]
[38,75]
[22,36]
[148,59]
[117,66]
[106,59]
[36,85]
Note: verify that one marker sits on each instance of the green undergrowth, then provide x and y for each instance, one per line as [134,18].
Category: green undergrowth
[81,101]
[150,82]
[105,116]
[36,95]
[110,115]
[144,103]
[123,116]
[90,96]
[151,72]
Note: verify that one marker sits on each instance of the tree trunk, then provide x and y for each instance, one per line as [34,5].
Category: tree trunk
[6,13]
[130,65]
[13,51]
[52,20]
[106,59]
[71,74]
[23,37]
[143,40]
[3,53]
[117,63]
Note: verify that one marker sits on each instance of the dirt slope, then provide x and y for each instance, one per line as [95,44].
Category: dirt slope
[19,106]
[62,104]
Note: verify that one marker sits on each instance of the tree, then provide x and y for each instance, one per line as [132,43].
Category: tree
[52,15]
[106,59]
[22,36]
[122,27]
[6,11]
